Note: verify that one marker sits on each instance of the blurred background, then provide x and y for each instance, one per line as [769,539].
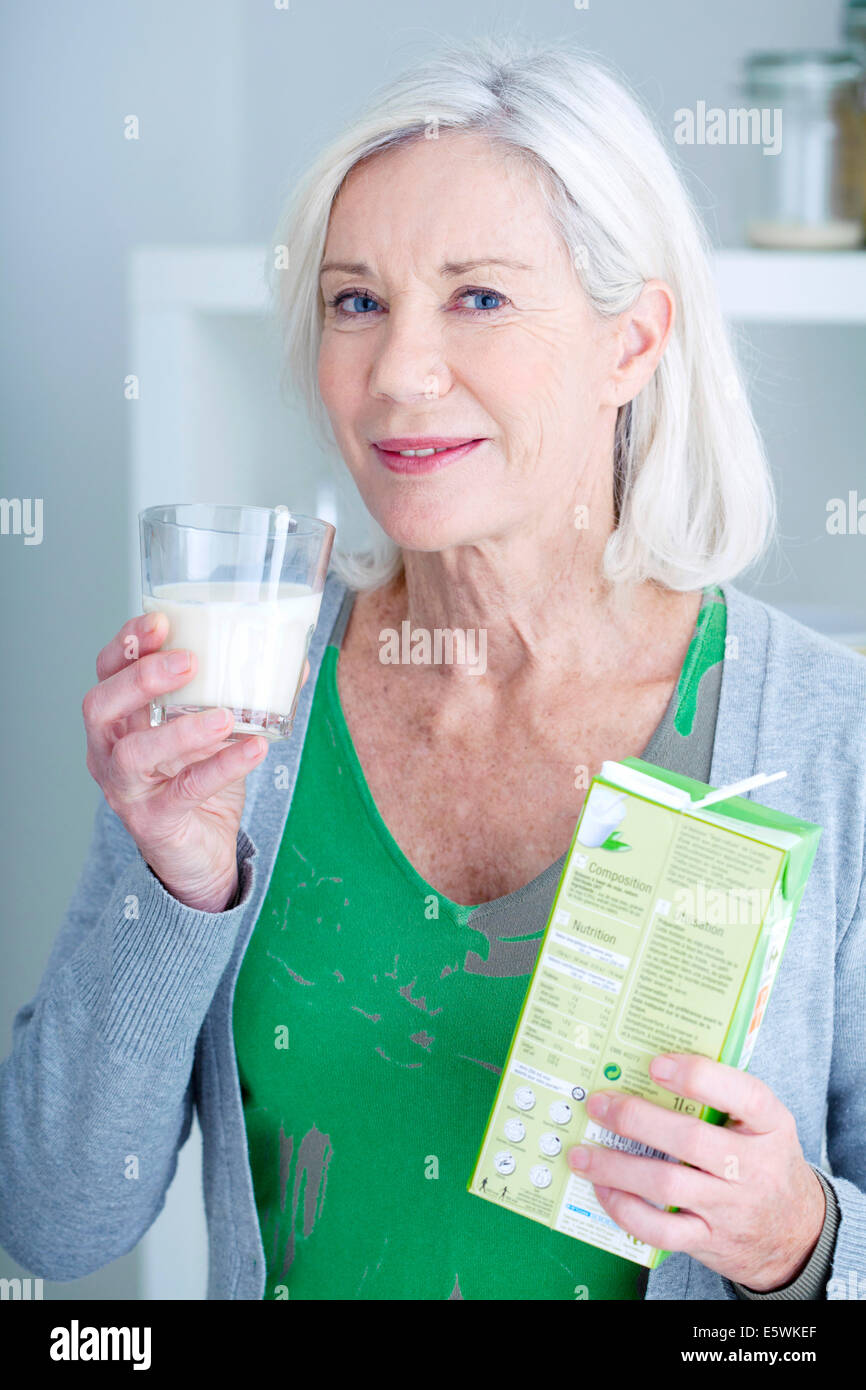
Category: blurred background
[139,365]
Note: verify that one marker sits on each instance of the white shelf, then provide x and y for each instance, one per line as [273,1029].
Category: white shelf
[755,286]
[793,286]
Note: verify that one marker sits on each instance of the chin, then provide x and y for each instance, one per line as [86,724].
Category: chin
[416,526]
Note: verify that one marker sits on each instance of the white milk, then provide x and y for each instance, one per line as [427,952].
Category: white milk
[251,649]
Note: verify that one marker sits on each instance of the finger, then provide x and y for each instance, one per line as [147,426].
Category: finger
[686,1137]
[657,1180]
[199,781]
[136,638]
[661,1230]
[120,695]
[736,1093]
[141,758]
[306,672]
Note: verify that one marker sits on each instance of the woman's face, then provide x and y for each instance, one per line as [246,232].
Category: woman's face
[435,337]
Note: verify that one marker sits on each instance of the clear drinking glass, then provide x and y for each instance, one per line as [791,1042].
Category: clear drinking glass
[241,588]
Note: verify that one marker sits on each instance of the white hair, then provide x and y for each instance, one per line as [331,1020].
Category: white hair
[693,495]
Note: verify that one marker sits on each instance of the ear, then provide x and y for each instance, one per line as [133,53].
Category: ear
[644,331]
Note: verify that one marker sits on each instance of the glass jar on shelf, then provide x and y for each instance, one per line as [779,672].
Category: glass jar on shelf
[810,194]
[855,28]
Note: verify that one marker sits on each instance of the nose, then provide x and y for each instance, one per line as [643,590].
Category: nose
[409,362]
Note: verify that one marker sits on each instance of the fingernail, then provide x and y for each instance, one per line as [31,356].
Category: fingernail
[579,1158]
[253,748]
[176,662]
[150,625]
[215,718]
[598,1105]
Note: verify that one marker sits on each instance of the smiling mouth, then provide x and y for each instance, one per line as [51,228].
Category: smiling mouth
[422,455]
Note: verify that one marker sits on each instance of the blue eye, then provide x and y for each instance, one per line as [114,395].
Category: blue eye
[355,299]
[483,294]
[362,305]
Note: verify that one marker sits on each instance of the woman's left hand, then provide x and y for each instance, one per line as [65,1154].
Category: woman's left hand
[751,1207]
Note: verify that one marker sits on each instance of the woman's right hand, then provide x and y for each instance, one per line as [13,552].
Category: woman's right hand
[179,788]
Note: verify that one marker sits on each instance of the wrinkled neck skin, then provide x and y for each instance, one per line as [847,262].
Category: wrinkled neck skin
[547,613]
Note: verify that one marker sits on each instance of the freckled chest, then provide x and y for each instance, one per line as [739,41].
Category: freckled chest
[481,802]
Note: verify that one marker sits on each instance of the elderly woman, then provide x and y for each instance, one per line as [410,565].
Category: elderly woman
[497,289]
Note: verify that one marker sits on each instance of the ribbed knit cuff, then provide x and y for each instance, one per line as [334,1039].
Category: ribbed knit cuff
[811,1282]
[148,970]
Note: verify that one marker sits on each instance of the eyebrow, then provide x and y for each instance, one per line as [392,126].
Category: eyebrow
[448,268]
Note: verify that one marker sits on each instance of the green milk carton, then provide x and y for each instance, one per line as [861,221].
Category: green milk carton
[665,935]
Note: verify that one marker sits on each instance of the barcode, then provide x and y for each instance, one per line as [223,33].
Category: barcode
[619,1141]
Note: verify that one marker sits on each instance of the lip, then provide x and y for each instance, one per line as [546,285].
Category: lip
[453,447]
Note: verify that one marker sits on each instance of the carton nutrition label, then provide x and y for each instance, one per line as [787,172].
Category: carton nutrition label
[646,950]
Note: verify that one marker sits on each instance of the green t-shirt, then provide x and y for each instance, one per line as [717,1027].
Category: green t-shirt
[371,1019]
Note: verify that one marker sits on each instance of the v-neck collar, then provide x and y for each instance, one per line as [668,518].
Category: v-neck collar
[545,882]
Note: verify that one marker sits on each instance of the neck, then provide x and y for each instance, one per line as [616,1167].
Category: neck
[541,606]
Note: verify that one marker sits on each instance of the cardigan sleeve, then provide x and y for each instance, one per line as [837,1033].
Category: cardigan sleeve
[837,1267]
[811,1282]
[96,1095]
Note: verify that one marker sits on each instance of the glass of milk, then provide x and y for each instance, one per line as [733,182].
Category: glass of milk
[241,588]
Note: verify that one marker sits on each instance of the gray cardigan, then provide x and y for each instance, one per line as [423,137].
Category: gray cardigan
[131,1025]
